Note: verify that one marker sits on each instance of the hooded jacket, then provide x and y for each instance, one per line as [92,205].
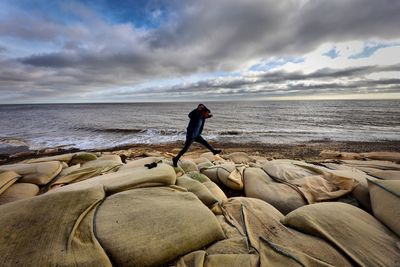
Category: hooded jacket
[196,123]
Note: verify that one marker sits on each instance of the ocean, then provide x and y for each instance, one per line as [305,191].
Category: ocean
[89,126]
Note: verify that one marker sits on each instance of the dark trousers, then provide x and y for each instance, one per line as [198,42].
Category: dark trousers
[189,141]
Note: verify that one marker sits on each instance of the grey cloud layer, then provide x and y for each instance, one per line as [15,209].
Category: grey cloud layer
[276,83]
[280,83]
[198,36]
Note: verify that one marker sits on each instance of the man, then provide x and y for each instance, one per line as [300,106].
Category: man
[194,129]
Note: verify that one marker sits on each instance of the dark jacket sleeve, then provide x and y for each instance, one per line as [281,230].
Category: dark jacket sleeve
[195,117]
[194,114]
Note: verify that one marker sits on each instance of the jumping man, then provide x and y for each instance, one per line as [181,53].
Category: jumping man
[194,129]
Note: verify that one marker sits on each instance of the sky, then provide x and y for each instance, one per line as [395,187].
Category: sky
[169,50]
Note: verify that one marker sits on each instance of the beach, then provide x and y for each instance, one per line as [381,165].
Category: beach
[302,151]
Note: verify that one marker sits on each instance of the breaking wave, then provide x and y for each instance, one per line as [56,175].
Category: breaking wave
[111,130]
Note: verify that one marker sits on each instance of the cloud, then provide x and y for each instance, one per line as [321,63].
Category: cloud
[278,83]
[3,49]
[89,53]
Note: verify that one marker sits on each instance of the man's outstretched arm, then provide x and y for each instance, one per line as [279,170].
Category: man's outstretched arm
[207,115]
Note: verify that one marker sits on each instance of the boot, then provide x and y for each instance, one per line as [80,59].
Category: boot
[175,161]
[216,151]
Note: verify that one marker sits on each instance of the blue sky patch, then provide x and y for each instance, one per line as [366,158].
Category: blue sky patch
[333,53]
[369,50]
[275,62]
[140,13]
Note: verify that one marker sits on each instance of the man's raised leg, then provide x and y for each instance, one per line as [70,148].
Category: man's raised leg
[202,141]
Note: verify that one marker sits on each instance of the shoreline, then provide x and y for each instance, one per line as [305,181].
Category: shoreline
[303,151]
